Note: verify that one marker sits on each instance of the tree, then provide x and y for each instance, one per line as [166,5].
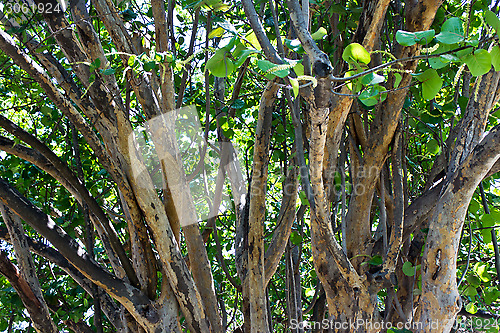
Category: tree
[369,133]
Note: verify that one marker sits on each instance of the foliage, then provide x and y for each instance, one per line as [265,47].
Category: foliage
[461,46]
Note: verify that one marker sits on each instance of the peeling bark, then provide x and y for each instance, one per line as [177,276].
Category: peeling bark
[26,281]
[440,300]
[256,278]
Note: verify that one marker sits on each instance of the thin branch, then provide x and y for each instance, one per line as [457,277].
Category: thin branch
[132,298]
[468,255]
[260,33]
[397,61]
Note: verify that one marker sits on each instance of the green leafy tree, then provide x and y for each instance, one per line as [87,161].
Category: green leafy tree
[211,166]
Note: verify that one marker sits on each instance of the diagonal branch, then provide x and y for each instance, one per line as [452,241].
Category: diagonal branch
[8,46]
[110,308]
[41,317]
[283,230]
[260,33]
[256,278]
[38,311]
[71,182]
[130,297]
[321,66]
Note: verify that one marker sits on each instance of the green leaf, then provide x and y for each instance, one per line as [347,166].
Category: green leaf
[353,85]
[471,308]
[108,71]
[407,38]
[46,110]
[95,65]
[128,15]
[294,45]
[271,68]
[479,62]
[356,53]
[495,57]
[372,79]
[474,207]
[299,69]
[490,220]
[491,294]
[432,146]
[280,129]
[473,280]
[372,95]
[295,238]
[221,7]
[481,269]
[219,64]
[149,66]
[439,62]
[470,291]
[295,86]
[251,38]
[431,83]
[243,55]
[319,34]
[452,31]
[229,46]
[238,104]
[408,269]
[450,58]
[303,199]
[131,61]
[376,261]
[462,53]
[472,42]
[492,20]
[397,80]
[217,32]
[425,37]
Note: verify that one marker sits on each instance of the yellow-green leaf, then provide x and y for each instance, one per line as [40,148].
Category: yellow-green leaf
[219,64]
[431,83]
[492,20]
[217,32]
[319,34]
[356,53]
[295,86]
[495,57]
[479,62]
[299,69]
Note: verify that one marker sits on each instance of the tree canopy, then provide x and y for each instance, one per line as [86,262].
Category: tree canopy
[249,166]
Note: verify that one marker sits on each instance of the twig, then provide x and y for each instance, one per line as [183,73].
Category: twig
[468,256]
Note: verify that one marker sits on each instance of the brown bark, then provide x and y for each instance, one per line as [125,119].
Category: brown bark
[109,307]
[26,281]
[440,300]
[130,297]
[381,134]
[283,230]
[39,316]
[256,278]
